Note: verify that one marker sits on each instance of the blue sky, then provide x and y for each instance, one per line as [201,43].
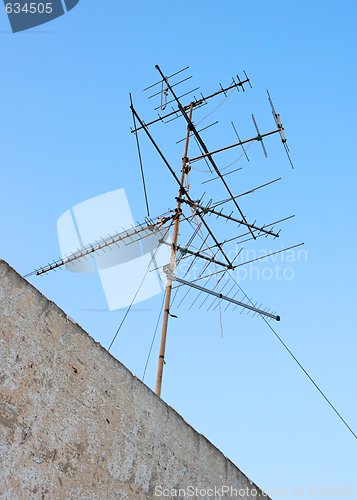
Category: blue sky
[65,138]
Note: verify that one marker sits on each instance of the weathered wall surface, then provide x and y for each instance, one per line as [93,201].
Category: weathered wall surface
[76,424]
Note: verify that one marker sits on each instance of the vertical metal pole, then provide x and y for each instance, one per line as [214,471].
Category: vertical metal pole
[184,172]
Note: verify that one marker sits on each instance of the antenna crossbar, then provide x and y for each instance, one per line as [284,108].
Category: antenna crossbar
[250,191]
[203,209]
[196,103]
[246,141]
[225,298]
[229,240]
[100,245]
[174,85]
[187,251]
[159,82]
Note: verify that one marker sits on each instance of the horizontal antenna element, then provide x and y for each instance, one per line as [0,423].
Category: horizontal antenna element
[104,243]
[224,297]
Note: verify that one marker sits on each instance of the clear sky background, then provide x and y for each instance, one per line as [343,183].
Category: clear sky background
[65,138]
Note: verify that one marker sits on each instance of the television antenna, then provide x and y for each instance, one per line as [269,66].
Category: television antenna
[191,212]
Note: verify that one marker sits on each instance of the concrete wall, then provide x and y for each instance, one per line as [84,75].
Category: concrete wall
[76,424]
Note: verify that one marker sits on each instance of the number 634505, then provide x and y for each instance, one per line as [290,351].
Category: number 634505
[29,8]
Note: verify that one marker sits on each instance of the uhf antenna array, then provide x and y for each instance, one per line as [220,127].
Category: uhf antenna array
[214,252]
[194,213]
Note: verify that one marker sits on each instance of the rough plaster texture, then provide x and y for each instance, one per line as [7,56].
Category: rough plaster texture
[76,424]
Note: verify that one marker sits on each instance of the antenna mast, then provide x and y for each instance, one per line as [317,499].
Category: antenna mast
[184,172]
